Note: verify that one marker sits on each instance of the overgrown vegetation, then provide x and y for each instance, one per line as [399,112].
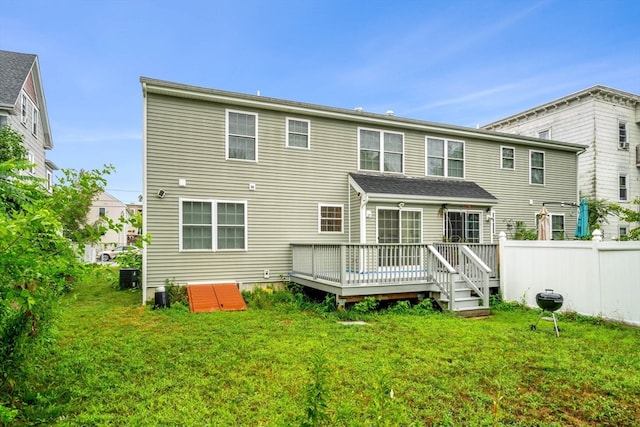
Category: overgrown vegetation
[288,360]
[40,233]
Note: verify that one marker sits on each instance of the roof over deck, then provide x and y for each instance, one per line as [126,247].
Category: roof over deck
[426,189]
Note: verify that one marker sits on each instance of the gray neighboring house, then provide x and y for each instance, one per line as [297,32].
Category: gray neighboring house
[236,185]
[607,121]
[23,107]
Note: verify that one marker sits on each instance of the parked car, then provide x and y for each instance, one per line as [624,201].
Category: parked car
[112,254]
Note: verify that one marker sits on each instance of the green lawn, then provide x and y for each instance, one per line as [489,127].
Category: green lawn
[114,362]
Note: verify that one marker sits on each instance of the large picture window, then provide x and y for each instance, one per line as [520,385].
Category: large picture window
[536,167]
[213,225]
[445,158]
[242,136]
[381,151]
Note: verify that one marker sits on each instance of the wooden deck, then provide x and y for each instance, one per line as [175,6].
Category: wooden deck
[451,273]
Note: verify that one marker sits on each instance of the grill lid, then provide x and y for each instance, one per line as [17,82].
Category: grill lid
[549,300]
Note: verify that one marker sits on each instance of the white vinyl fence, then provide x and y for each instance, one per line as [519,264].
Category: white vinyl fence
[595,278]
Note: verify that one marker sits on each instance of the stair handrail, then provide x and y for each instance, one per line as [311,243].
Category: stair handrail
[448,274]
[485,271]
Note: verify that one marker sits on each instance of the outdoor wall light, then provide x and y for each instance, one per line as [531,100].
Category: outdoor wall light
[161,193]
[401,205]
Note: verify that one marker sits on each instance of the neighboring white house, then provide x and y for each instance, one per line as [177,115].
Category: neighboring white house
[606,119]
[23,108]
[107,206]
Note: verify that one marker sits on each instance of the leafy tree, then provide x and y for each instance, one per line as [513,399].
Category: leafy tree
[524,233]
[630,216]
[40,233]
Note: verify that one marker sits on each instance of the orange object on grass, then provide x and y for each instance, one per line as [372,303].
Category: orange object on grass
[207,298]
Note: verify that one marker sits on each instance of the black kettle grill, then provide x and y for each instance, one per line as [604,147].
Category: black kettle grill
[549,301]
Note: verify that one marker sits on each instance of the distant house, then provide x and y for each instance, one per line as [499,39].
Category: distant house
[607,121]
[108,206]
[249,189]
[23,107]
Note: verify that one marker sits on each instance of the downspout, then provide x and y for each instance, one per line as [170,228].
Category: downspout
[363,218]
[144,193]
[349,210]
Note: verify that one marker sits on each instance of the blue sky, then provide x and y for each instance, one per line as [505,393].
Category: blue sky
[456,62]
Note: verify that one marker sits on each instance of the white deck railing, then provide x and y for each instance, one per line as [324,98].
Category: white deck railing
[487,252]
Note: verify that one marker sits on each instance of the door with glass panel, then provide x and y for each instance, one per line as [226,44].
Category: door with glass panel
[394,228]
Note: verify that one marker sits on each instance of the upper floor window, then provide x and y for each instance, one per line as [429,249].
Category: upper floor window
[544,134]
[23,109]
[536,167]
[3,120]
[623,143]
[298,133]
[623,187]
[445,157]
[330,218]
[34,121]
[507,158]
[49,181]
[381,151]
[242,136]
[213,225]
[102,212]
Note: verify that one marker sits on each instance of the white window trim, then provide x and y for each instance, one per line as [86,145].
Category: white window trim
[564,223]
[382,150]
[49,181]
[626,187]
[391,208]
[32,159]
[544,168]
[24,113]
[465,211]
[446,157]
[330,205]
[34,121]
[214,225]
[502,158]
[226,134]
[548,130]
[308,122]
[623,145]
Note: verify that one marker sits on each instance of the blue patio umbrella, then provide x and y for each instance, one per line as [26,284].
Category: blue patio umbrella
[582,227]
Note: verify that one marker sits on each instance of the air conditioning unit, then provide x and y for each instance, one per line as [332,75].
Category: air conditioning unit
[623,145]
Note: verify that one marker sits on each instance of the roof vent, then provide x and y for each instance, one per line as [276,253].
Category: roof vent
[358,109]
[389,112]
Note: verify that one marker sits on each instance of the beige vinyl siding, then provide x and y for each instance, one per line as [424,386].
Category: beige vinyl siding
[185,139]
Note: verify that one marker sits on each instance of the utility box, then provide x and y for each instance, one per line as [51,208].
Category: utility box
[129,278]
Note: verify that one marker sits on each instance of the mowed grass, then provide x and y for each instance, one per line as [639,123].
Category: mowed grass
[114,362]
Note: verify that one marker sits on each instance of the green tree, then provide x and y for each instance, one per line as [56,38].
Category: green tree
[631,216]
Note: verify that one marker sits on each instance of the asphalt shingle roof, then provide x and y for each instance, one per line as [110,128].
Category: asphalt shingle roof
[426,187]
[14,68]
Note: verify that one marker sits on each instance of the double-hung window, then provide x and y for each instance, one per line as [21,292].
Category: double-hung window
[381,151]
[623,187]
[445,157]
[557,227]
[507,158]
[330,218]
[298,133]
[23,109]
[536,167]
[32,162]
[623,143]
[34,122]
[213,225]
[544,134]
[242,136]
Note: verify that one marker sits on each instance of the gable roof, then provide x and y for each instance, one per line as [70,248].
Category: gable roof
[178,90]
[14,69]
[426,189]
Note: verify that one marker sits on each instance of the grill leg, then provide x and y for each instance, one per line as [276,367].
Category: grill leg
[555,324]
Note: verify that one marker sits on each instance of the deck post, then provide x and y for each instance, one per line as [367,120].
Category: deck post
[343,264]
[314,274]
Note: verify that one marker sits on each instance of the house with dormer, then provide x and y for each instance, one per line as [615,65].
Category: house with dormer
[251,190]
[23,107]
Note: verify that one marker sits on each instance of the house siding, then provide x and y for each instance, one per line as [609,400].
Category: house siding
[185,139]
[591,120]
